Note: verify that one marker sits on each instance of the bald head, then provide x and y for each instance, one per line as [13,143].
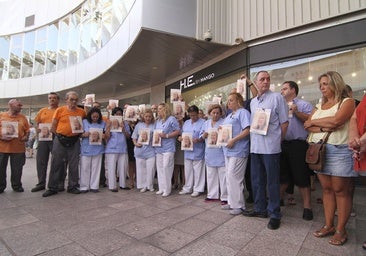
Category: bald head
[15,106]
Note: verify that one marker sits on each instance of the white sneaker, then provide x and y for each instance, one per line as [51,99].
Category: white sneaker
[151,189]
[182,192]
[165,194]
[225,207]
[236,211]
[143,190]
[159,192]
[195,194]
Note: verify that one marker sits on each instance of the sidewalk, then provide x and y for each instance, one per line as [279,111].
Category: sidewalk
[134,223]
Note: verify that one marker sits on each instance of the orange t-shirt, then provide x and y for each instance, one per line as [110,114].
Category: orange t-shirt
[45,115]
[62,115]
[15,145]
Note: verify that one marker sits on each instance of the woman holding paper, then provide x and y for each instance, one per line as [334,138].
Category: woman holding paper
[236,152]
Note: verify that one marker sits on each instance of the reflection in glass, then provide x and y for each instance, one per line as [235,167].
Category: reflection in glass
[74,37]
[4,56]
[28,54]
[40,53]
[56,46]
[62,44]
[51,48]
[15,56]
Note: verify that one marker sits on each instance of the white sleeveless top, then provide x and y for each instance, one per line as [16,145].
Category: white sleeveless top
[338,137]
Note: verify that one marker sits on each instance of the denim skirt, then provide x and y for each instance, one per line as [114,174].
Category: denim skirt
[338,161]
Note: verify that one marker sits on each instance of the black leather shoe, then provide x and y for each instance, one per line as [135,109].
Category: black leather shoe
[74,191]
[2,191]
[274,223]
[49,193]
[20,189]
[61,189]
[307,214]
[255,214]
[37,188]
[126,188]
[94,190]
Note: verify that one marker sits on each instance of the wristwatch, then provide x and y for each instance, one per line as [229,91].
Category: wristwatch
[167,136]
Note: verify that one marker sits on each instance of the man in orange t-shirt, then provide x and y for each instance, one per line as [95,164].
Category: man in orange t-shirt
[13,145]
[66,145]
[44,116]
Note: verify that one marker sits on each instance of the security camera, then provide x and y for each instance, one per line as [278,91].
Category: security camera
[207,35]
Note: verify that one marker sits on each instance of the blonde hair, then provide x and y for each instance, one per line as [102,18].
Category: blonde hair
[166,112]
[336,84]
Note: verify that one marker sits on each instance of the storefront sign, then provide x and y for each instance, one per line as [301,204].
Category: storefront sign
[191,81]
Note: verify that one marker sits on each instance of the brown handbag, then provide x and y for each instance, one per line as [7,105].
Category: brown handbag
[315,154]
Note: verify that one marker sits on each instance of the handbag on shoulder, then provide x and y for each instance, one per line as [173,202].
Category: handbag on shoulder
[315,154]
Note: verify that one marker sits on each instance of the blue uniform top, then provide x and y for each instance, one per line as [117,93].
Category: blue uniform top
[198,152]
[168,126]
[87,149]
[117,142]
[146,151]
[214,157]
[239,121]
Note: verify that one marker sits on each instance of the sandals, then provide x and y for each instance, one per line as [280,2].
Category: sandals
[339,238]
[324,231]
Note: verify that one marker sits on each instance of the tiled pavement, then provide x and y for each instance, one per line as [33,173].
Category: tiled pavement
[134,223]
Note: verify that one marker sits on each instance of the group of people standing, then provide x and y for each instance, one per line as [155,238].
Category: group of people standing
[275,153]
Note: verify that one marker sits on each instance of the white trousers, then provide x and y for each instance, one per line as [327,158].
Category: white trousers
[119,162]
[165,167]
[194,173]
[145,172]
[90,172]
[216,183]
[235,171]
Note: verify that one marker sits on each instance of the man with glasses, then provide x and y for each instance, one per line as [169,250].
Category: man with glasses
[66,146]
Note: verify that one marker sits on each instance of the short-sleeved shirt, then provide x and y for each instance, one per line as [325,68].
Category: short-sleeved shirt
[295,129]
[270,143]
[62,115]
[214,157]
[239,120]
[117,143]
[198,152]
[87,149]
[145,151]
[15,145]
[45,115]
[168,126]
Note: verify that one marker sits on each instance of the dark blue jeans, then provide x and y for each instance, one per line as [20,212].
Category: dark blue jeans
[265,176]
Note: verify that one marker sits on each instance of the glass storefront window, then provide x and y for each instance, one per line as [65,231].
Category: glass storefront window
[4,56]
[52,48]
[305,72]
[75,38]
[28,54]
[62,44]
[40,52]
